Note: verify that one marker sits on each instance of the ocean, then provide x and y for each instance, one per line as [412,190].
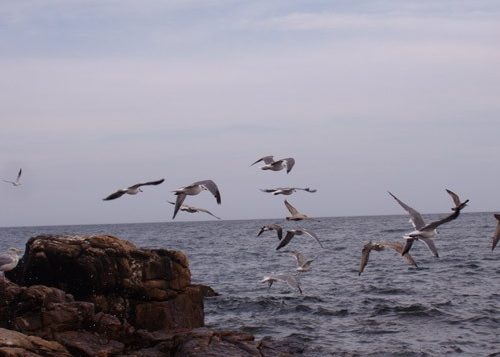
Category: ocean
[448,306]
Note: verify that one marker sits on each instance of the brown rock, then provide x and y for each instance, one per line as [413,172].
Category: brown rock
[13,343]
[83,343]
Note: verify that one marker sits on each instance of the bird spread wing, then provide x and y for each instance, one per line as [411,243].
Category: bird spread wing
[267,160]
[311,190]
[206,211]
[435,224]
[8,181]
[115,195]
[178,203]
[365,255]
[301,260]
[157,182]
[268,190]
[398,247]
[289,279]
[290,161]
[454,197]
[312,234]
[19,175]
[430,244]
[288,237]
[292,209]
[416,218]
[407,247]
[212,187]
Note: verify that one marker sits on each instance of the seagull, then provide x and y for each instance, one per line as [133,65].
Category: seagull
[302,264]
[293,232]
[287,190]
[272,227]
[496,237]
[296,215]
[458,204]
[192,209]
[17,182]
[367,248]
[132,190]
[8,260]
[424,232]
[194,189]
[278,165]
[285,278]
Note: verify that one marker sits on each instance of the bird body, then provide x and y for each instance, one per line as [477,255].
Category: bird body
[194,189]
[191,209]
[287,190]
[272,227]
[427,232]
[8,260]
[285,278]
[367,248]
[278,165]
[303,264]
[295,214]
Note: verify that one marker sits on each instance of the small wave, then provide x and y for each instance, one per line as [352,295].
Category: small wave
[394,230]
[326,312]
[418,310]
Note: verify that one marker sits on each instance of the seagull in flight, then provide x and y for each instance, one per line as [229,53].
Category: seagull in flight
[194,189]
[132,190]
[287,190]
[367,248]
[272,227]
[295,214]
[426,232]
[278,165]
[285,278]
[192,209]
[17,182]
[293,232]
[303,264]
[496,237]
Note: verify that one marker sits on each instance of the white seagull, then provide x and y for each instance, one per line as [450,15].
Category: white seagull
[303,264]
[194,189]
[425,232]
[17,182]
[277,165]
[272,227]
[292,233]
[287,190]
[8,260]
[285,278]
[192,209]
[367,248]
[295,214]
[132,190]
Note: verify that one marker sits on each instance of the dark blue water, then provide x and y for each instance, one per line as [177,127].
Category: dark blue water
[448,306]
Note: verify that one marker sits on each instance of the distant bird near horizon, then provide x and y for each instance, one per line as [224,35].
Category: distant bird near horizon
[379,246]
[496,237]
[285,278]
[303,264]
[272,227]
[286,190]
[277,165]
[423,232]
[298,231]
[17,182]
[9,259]
[194,189]
[191,209]
[132,190]
[295,214]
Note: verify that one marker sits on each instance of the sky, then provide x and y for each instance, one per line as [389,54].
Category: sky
[367,96]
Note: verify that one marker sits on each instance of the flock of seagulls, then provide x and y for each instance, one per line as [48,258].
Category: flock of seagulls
[422,232]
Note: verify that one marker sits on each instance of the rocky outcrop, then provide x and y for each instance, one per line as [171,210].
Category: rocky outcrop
[101,296]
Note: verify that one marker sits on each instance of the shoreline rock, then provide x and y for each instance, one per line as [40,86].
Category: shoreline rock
[102,296]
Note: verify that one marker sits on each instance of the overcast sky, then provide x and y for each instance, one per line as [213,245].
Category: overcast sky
[368,96]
